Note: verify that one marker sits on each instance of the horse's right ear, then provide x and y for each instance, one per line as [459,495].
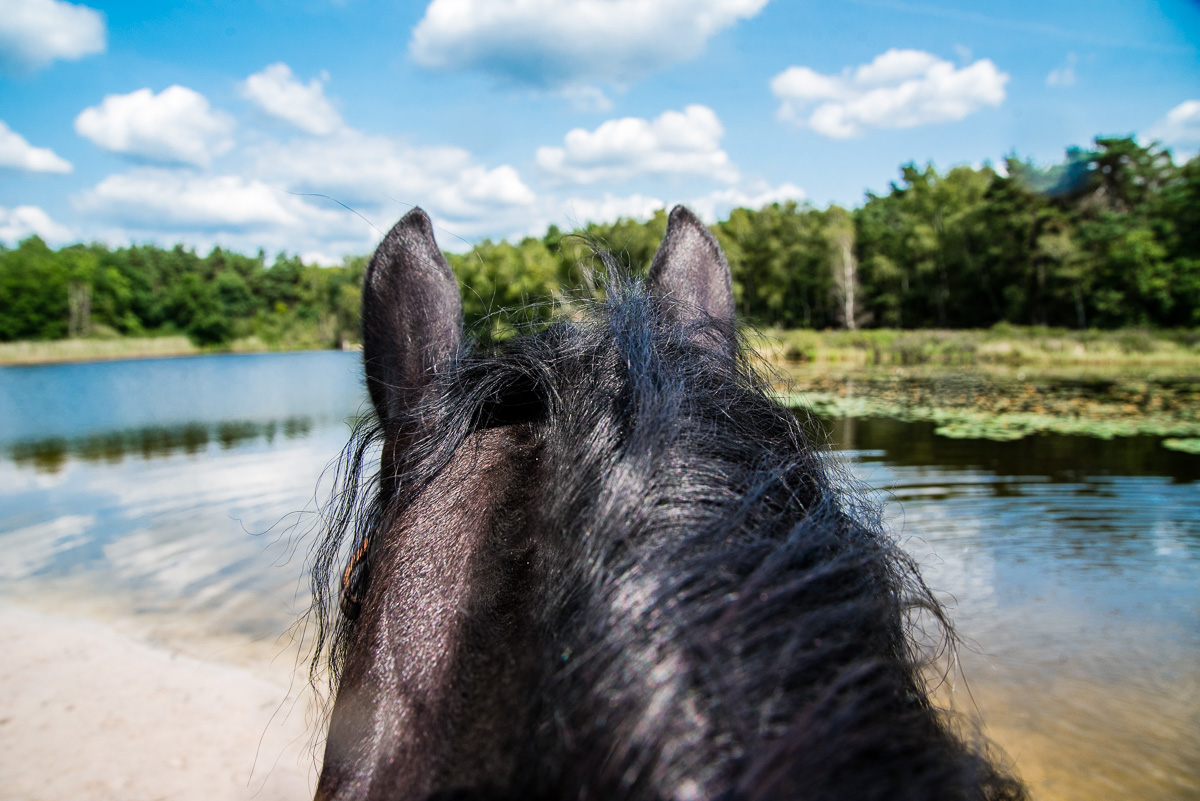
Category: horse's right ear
[411,316]
[690,271]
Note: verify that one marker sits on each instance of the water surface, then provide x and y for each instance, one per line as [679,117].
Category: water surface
[176,495]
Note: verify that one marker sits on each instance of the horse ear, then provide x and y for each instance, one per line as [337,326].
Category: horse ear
[690,270]
[411,315]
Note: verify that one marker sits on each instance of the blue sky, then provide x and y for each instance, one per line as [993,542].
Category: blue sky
[229,122]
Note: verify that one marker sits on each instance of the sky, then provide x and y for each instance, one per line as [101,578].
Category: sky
[310,126]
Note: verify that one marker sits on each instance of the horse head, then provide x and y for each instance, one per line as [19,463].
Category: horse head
[600,561]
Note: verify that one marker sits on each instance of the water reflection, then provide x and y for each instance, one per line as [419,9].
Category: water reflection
[213,539]
[1072,568]
[1072,564]
[51,455]
[175,489]
[1053,456]
[80,401]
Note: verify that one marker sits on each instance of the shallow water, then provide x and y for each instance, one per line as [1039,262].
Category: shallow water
[174,496]
[1072,568]
[169,496]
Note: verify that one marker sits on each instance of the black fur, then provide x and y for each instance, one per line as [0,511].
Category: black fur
[600,562]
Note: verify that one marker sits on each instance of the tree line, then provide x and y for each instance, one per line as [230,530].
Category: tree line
[1109,237]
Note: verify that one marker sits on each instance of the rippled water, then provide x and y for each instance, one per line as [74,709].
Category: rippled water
[1072,566]
[173,493]
[180,491]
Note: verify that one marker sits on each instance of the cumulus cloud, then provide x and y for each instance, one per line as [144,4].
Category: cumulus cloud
[35,33]
[297,195]
[577,211]
[587,98]
[1181,125]
[899,89]
[553,43]
[276,91]
[16,152]
[610,208]
[674,143]
[24,221]
[1064,75]
[157,198]
[170,206]
[718,203]
[358,169]
[177,125]
[710,207]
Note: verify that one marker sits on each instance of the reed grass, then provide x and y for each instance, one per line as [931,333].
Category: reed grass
[88,350]
[999,345]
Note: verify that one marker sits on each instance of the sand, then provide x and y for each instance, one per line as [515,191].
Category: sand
[87,712]
[90,712]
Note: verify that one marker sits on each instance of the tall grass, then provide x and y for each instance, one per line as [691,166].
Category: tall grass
[86,350]
[1001,344]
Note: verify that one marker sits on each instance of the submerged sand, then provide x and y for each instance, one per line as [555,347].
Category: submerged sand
[87,712]
[90,712]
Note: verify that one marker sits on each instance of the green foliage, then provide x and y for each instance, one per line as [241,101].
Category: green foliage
[1183,445]
[1108,238]
[33,292]
[94,291]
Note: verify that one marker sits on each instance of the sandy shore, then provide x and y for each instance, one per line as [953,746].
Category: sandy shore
[89,713]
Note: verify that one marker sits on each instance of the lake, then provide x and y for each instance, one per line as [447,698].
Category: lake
[177,497]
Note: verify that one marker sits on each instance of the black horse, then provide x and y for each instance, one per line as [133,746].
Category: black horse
[600,562]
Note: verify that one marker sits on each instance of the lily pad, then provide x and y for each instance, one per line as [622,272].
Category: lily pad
[968,403]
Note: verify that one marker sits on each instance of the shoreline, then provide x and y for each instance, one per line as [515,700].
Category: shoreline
[84,351]
[1010,346]
[93,713]
[142,721]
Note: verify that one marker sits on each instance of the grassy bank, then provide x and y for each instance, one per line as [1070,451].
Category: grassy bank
[1006,403]
[999,345]
[1000,383]
[97,350]
[89,350]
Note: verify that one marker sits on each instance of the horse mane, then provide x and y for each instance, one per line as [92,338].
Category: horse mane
[711,571]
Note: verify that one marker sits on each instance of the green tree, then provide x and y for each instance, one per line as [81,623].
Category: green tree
[33,292]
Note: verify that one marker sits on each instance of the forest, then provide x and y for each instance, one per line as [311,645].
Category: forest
[1107,238]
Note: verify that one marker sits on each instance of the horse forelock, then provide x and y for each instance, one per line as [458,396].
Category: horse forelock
[709,614]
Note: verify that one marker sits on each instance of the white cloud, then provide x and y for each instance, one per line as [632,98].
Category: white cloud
[899,89]
[35,33]
[610,208]
[563,42]
[176,125]
[23,221]
[895,66]
[1181,126]
[709,207]
[171,206]
[358,169]
[276,91]
[587,98]
[674,143]
[32,548]
[159,198]
[577,211]
[717,204]
[16,152]
[1064,75]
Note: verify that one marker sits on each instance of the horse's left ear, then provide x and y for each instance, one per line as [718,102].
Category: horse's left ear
[691,272]
[411,315]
